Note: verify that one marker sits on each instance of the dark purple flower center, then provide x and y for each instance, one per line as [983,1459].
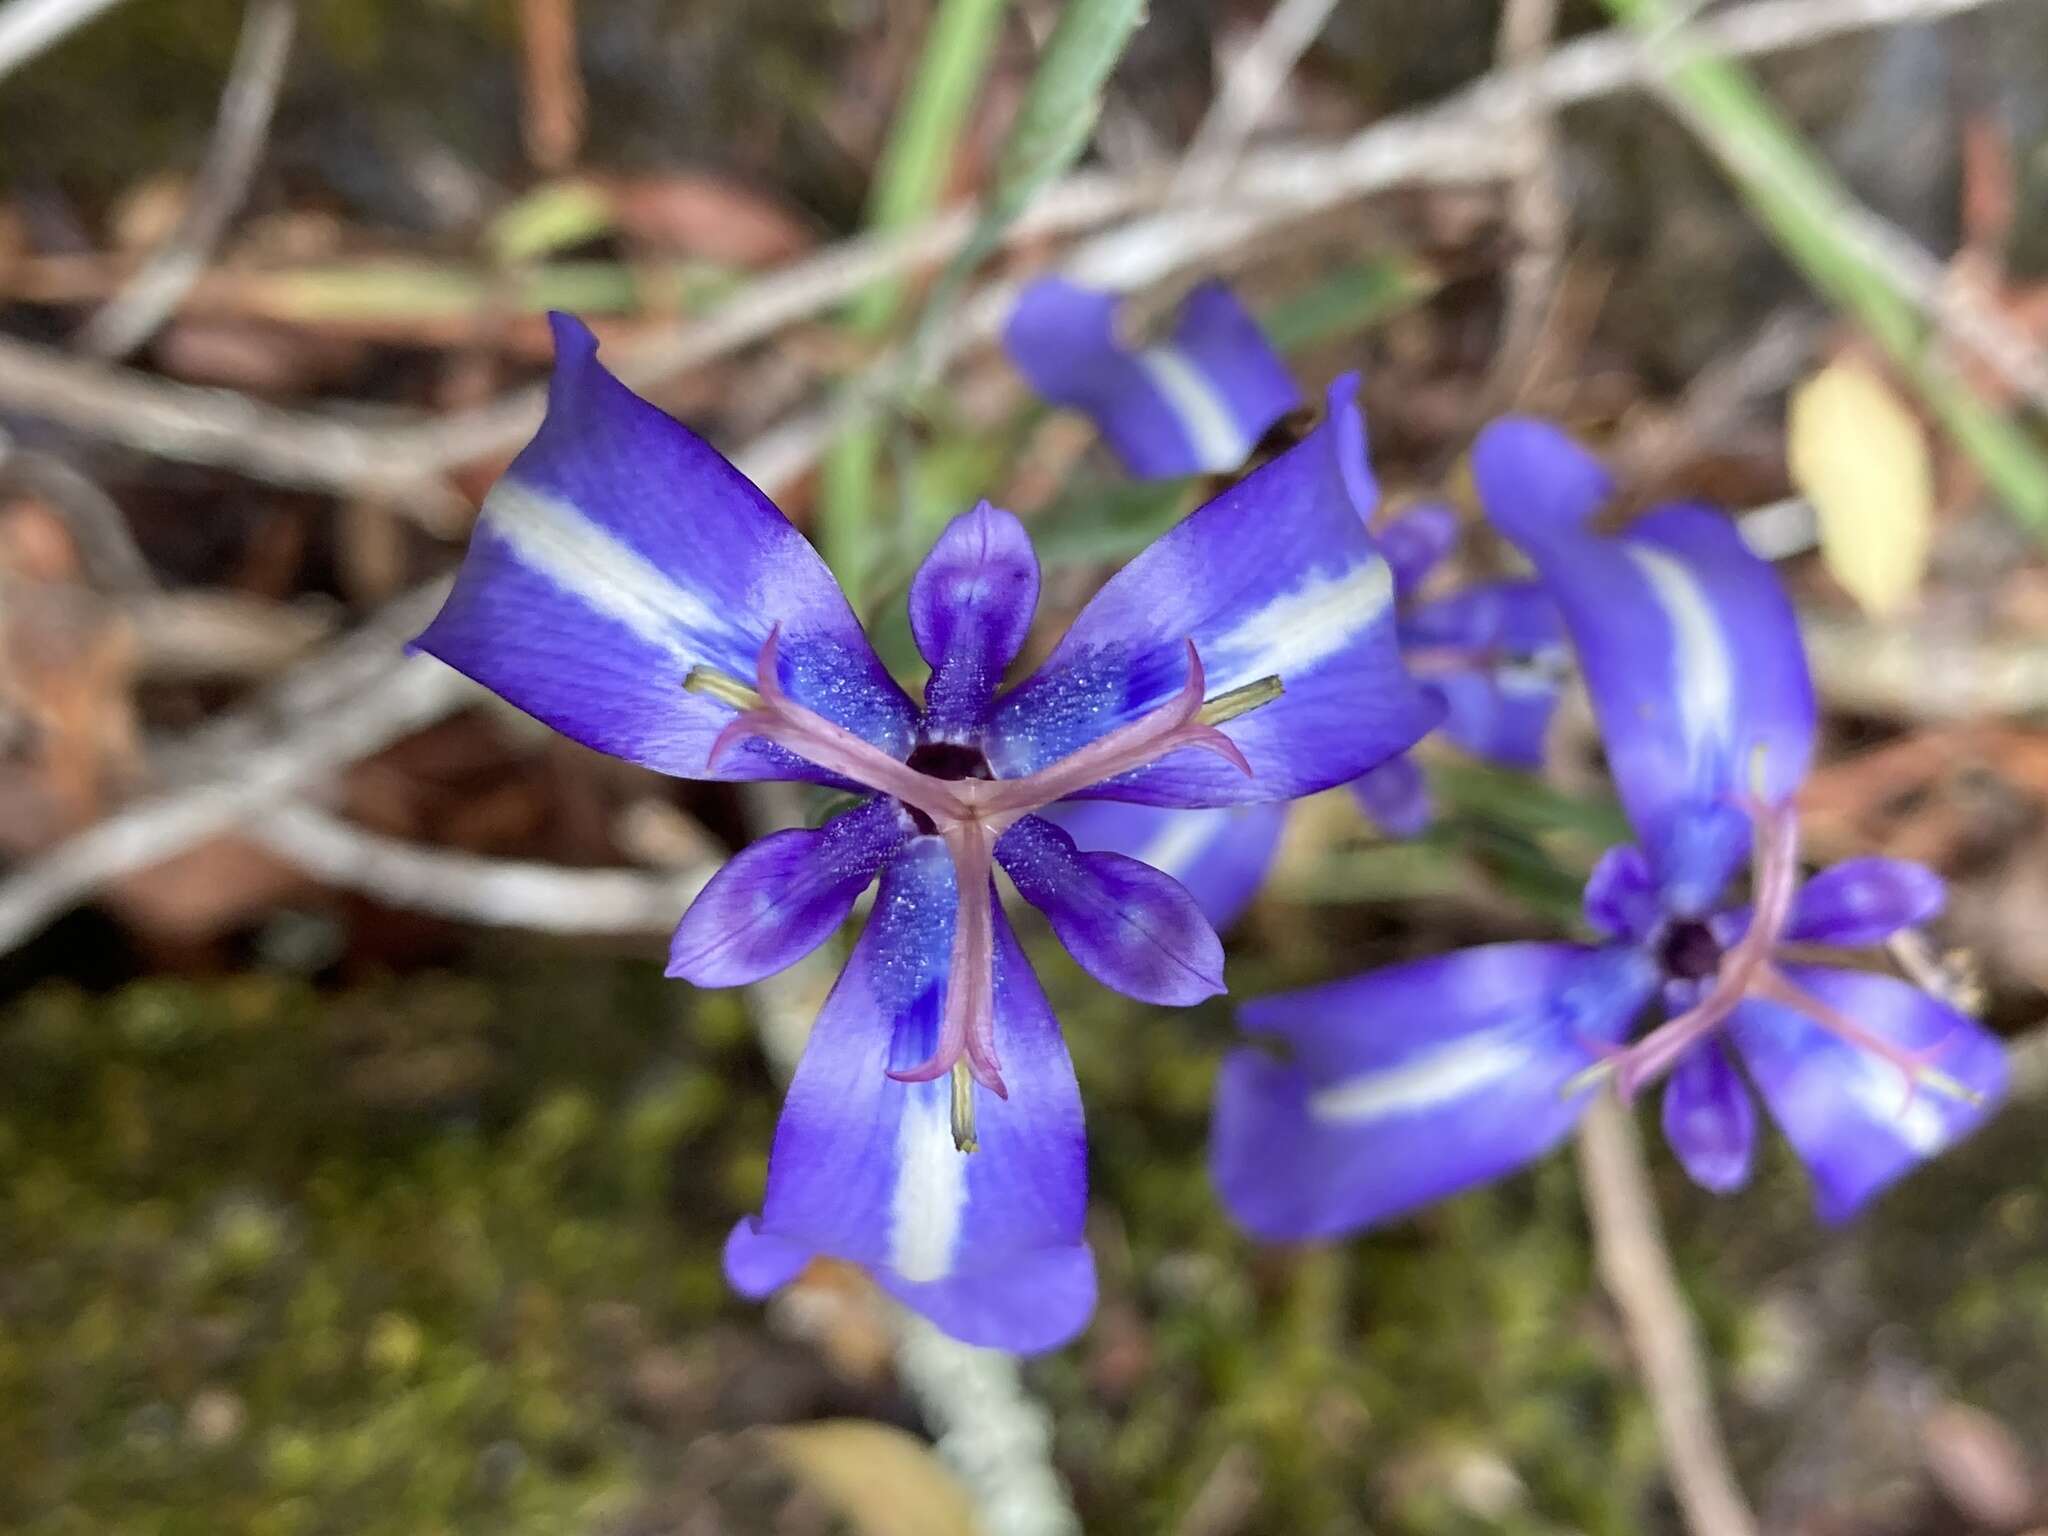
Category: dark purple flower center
[1690,951]
[945,760]
[951,793]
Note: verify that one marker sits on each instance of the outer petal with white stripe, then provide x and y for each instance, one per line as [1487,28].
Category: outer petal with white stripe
[1220,855]
[864,1168]
[1274,577]
[1196,403]
[1855,1120]
[619,551]
[1414,1082]
[1688,645]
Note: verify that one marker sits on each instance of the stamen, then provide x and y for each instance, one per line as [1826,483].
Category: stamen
[718,685]
[788,724]
[1240,701]
[1171,727]
[967,1016]
[965,1138]
[1776,863]
[1599,1072]
[970,812]
[1916,1067]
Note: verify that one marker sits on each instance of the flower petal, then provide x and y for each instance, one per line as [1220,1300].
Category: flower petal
[1129,926]
[1846,1111]
[780,898]
[864,1167]
[1395,797]
[1517,619]
[1710,1119]
[1864,901]
[1196,403]
[620,551]
[1687,642]
[1415,542]
[1037,1302]
[1220,854]
[1621,896]
[1275,577]
[1501,715]
[1414,1082]
[971,604]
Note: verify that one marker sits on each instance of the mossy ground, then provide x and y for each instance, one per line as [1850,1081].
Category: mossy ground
[440,1254]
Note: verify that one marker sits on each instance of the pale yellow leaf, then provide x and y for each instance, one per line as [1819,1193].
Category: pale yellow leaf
[885,1480]
[1861,458]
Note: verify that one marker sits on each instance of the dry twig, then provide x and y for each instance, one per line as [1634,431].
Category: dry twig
[27,27]
[1628,1243]
[1536,210]
[1958,312]
[106,548]
[503,893]
[361,695]
[1251,84]
[1467,138]
[246,106]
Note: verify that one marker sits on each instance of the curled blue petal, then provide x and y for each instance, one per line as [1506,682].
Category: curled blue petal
[1195,403]
[1415,543]
[1221,854]
[1856,1120]
[1395,797]
[620,551]
[1512,619]
[1687,642]
[1275,577]
[1864,901]
[1412,1083]
[865,1168]
[1621,896]
[778,899]
[1501,714]
[1130,926]
[1710,1119]
[971,604]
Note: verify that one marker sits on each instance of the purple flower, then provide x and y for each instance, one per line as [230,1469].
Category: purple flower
[1200,402]
[1413,1082]
[1195,403]
[623,581]
[1493,653]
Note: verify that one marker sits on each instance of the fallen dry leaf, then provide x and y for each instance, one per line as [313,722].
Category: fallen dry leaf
[1861,457]
[883,1479]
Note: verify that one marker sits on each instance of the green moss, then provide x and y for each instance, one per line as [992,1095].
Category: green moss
[281,1262]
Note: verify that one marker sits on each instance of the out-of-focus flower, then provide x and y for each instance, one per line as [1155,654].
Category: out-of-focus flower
[1195,403]
[629,587]
[1413,1082]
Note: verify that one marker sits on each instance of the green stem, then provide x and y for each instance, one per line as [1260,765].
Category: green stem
[908,184]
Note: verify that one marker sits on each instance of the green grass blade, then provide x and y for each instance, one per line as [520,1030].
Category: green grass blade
[908,184]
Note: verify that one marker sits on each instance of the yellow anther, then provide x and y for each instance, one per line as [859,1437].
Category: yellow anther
[964,1137]
[715,684]
[1239,701]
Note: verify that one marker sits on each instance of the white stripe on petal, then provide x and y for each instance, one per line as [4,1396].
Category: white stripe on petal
[1703,680]
[1181,839]
[1429,1081]
[1302,628]
[1219,442]
[1880,1090]
[931,1185]
[550,536]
